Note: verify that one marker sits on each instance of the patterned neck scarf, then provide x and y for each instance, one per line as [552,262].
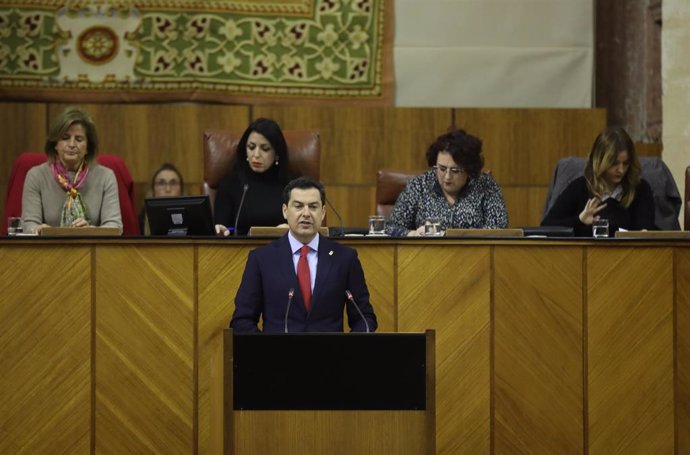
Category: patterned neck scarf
[74,207]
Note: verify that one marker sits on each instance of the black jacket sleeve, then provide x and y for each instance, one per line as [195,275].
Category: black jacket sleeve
[224,208]
[643,208]
[569,204]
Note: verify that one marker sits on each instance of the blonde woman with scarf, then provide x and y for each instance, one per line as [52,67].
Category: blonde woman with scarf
[70,189]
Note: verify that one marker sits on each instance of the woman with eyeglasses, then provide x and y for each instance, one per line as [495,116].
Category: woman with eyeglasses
[611,188]
[455,190]
[167,181]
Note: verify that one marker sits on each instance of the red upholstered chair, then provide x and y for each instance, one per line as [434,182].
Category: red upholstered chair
[15,184]
[27,160]
[389,184]
[304,152]
[125,190]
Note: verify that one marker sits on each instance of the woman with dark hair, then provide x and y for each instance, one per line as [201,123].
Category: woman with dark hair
[611,189]
[70,189]
[167,181]
[455,190]
[258,175]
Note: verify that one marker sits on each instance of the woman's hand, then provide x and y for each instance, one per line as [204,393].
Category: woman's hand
[39,228]
[80,222]
[222,230]
[589,213]
[419,232]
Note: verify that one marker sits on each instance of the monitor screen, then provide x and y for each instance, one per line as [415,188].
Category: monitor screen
[180,216]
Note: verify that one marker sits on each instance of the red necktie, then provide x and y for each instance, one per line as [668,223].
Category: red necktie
[304,277]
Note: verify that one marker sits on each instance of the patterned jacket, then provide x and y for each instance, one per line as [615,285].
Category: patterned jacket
[480,205]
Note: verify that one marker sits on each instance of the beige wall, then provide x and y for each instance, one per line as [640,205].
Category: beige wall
[498,53]
[675,67]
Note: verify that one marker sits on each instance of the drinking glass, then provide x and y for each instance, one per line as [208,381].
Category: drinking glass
[432,227]
[14,225]
[600,228]
[377,225]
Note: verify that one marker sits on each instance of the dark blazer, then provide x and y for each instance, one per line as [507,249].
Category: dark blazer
[270,274]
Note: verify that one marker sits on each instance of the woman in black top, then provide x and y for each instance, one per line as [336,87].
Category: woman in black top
[611,189]
[259,173]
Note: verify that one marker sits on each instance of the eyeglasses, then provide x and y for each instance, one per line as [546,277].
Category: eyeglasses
[166,183]
[443,169]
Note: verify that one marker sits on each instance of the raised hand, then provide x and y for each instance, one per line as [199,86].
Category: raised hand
[589,213]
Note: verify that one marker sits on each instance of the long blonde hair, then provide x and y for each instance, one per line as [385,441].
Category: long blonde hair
[607,145]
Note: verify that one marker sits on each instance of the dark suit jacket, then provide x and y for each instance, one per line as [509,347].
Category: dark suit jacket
[270,274]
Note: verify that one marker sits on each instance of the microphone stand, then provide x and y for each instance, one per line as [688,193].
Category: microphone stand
[340,218]
[239,209]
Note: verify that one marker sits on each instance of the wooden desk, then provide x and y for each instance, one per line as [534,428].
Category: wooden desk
[542,346]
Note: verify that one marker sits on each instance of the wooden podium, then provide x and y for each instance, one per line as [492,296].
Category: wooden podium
[321,393]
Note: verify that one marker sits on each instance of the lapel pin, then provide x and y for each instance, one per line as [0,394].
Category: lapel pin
[330,253]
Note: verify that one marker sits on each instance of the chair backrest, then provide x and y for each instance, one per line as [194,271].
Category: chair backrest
[389,184]
[304,152]
[687,198]
[125,189]
[15,184]
[667,201]
[27,160]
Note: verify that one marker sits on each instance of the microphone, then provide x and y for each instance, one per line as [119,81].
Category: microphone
[340,218]
[349,296]
[239,209]
[291,294]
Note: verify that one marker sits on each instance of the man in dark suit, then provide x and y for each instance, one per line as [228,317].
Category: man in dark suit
[314,275]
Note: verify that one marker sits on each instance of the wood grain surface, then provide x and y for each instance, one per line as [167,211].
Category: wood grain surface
[630,350]
[106,346]
[538,351]
[449,291]
[45,350]
[145,362]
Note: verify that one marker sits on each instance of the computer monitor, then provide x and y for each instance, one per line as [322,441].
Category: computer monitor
[179,216]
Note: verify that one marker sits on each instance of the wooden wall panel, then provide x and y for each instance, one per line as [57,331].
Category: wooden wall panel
[220,274]
[394,432]
[538,351]
[45,350]
[630,350]
[644,149]
[145,383]
[525,205]
[522,146]
[22,129]
[682,385]
[439,290]
[378,263]
[356,142]
[354,203]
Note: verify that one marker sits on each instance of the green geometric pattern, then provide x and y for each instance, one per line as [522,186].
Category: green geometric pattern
[28,43]
[337,51]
